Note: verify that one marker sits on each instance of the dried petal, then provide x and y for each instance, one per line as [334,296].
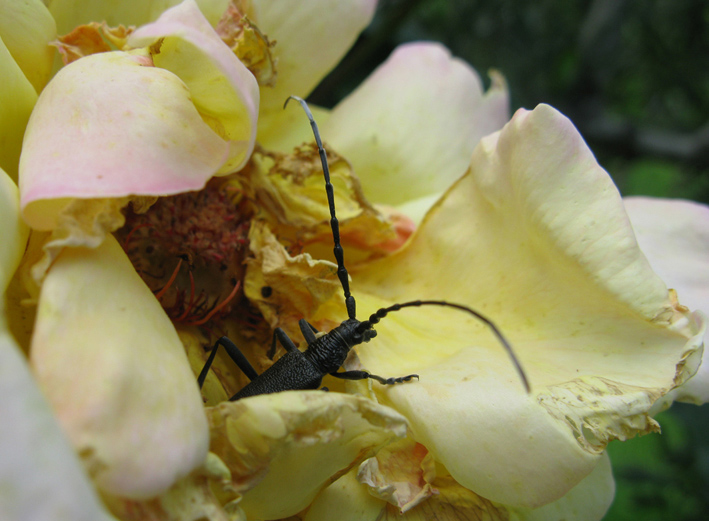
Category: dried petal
[401,474]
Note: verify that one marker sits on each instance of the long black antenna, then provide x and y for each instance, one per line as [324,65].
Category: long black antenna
[381,313]
[334,223]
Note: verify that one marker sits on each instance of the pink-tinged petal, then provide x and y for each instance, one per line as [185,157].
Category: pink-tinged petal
[17,99]
[222,89]
[409,130]
[110,125]
[110,361]
[13,230]
[311,38]
[26,28]
[534,236]
[72,13]
[40,475]
[674,235]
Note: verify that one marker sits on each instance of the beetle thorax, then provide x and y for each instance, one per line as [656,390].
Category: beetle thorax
[329,351]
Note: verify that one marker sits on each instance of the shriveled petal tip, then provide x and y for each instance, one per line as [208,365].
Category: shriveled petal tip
[222,89]
[283,448]
[12,229]
[27,28]
[40,473]
[109,125]
[113,367]
[674,235]
[401,474]
[410,128]
[535,237]
[310,41]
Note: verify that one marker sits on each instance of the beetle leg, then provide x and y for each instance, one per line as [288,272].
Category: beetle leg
[362,375]
[284,340]
[234,353]
[308,331]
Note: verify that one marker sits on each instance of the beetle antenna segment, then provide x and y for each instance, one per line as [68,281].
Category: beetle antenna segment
[334,224]
[381,313]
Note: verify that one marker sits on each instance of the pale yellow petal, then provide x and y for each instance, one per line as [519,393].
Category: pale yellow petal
[410,128]
[26,27]
[283,448]
[40,475]
[71,13]
[112,365]
[535,237]
[284,129]
[346,500]
[17,98]
[587,501]
[311,38]
[13,230]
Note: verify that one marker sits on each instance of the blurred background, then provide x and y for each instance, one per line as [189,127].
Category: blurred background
[633,76]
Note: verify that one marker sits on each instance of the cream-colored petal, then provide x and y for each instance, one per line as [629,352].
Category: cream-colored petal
[311,38]
[283,448]
[71,13]
[110,362]
[410,128]
[534,236]
[27,28]
[17,98]
[110,125]
[587,501]
[674,235]
[13,230]
[40,475]
[346,500]
[222,89]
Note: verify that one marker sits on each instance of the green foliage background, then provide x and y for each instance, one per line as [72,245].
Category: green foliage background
[633,76]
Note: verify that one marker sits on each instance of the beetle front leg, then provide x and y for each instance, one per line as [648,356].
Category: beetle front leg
[363,375]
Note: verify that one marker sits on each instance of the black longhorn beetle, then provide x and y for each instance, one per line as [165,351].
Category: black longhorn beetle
[298,370]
